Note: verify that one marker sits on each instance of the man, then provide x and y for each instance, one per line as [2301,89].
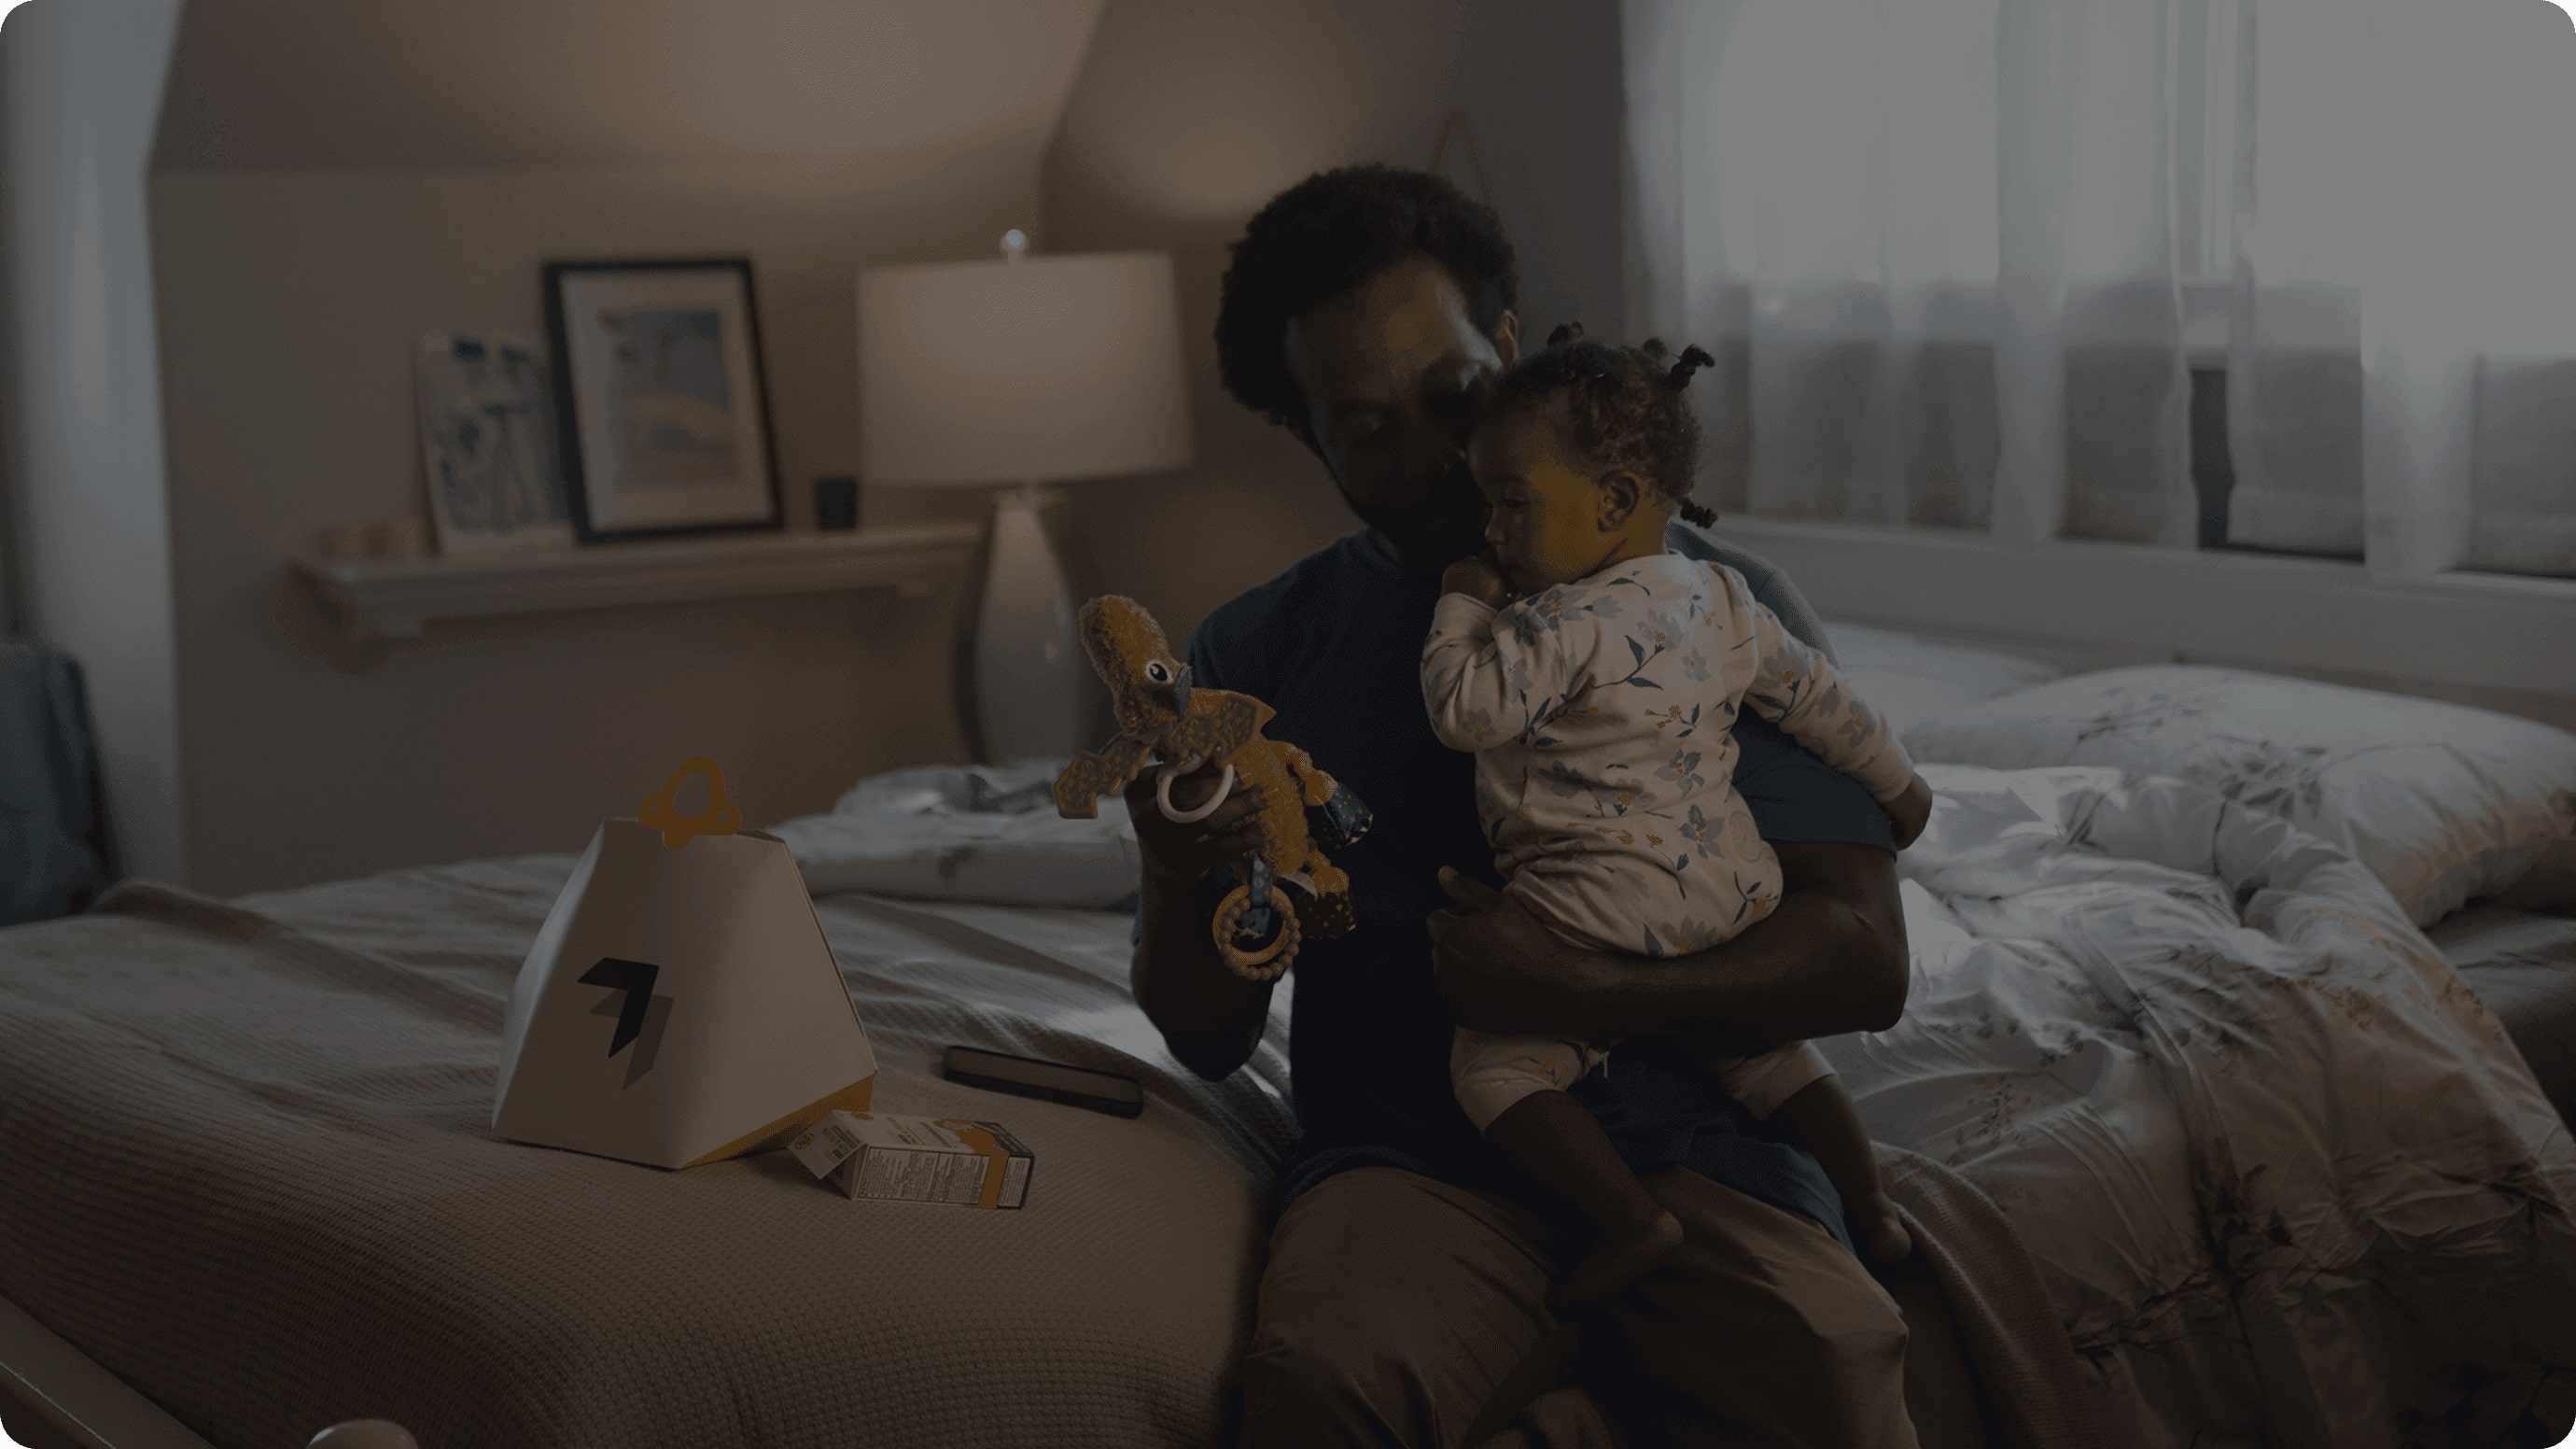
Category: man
[1366,310]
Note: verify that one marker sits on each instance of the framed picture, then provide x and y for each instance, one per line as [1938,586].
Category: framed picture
[487,447]
[662,415]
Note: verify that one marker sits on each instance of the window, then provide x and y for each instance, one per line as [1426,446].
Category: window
[2214,273]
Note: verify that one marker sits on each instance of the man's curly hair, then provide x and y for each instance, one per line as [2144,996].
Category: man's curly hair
[1326,235]
[1627,409]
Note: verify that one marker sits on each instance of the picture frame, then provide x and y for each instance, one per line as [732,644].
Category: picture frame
[487,447]
[661,400]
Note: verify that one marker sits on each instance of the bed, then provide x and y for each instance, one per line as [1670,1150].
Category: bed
[2181,1070]
[2522,964]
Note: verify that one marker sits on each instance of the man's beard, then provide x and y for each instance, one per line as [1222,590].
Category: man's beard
[1444,526]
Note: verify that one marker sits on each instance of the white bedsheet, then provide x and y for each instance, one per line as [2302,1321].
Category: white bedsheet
[2283,1172]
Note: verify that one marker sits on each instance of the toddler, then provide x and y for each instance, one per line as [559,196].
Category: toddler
[1596,677]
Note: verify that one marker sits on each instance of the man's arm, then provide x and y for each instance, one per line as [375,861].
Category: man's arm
[1831,960]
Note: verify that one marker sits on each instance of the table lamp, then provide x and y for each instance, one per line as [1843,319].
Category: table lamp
[1023,371]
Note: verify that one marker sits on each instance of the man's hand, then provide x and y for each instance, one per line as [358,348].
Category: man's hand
[1910,812]
[1183,854]
[1479,578]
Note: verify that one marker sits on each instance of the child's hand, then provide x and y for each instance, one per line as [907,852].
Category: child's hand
[1911,811]
[1477,577]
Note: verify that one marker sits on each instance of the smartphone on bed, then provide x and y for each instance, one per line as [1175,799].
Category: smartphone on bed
[1048,1081]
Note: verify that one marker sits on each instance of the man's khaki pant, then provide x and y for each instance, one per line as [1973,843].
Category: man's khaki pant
[1394,1302]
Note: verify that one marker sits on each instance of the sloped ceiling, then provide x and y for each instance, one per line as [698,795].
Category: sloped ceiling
[1192,113]
[299,84]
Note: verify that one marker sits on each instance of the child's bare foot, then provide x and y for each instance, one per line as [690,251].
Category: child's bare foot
[1883,1238]
[1616,1260]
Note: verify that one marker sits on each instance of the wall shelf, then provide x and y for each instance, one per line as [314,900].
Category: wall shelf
[399,598]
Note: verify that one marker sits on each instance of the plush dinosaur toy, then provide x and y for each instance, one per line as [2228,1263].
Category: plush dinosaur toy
[1162,720]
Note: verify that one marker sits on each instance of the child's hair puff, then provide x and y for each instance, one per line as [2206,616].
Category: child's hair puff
[1626,408]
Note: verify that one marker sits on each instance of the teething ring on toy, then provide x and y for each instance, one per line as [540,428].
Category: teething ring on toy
[1266,963]
[661,811]
[1163,792]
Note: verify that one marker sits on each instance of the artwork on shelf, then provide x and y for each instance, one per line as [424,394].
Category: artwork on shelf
[485,448]
[662,417]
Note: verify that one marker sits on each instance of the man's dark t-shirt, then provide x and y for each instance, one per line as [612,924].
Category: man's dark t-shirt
[1334,646]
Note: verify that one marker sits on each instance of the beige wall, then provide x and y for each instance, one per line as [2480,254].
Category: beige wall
[292,284]
[1187,117]
[288,302]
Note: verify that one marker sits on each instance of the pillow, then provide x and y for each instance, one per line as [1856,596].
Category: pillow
[968,833]
[1911,681]
[2441,802]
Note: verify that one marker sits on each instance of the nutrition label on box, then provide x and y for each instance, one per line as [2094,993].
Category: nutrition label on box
[922,1176]
[950,1160]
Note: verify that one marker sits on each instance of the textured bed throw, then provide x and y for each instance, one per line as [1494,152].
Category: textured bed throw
[249,1169]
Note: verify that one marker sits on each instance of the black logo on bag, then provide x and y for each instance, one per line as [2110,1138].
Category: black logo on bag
[635,978]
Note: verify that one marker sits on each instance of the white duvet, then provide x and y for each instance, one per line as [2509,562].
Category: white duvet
[2288,1179]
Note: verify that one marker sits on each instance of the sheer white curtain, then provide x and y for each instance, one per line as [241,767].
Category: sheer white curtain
[1958,257]
[2403,278]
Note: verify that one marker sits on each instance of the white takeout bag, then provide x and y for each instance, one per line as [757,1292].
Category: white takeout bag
[680,1005]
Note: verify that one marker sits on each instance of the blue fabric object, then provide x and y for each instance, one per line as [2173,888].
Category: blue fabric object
[1334,646]
[1346,819]
[48,773]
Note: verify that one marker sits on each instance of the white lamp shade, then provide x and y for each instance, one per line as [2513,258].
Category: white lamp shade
[1035,370]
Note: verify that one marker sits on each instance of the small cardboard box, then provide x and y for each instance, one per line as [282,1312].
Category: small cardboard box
[680,1006]
[918,1159]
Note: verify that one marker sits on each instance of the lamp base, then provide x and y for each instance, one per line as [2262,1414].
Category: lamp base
[1020,665]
